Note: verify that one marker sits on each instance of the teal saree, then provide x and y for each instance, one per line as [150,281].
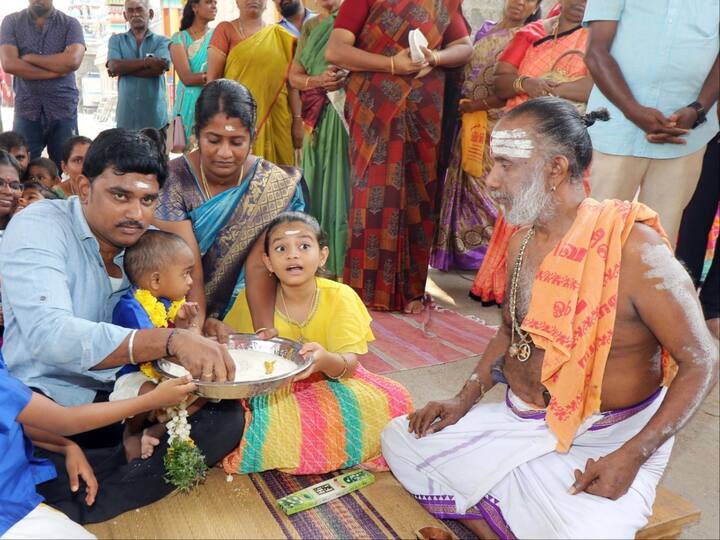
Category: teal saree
[227,225]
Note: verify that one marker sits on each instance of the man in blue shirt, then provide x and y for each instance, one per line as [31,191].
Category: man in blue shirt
[61,267]
[655,67]
[294,15]
[43,48]
[139,58]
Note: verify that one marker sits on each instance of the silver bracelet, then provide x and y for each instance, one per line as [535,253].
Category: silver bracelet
[131,356]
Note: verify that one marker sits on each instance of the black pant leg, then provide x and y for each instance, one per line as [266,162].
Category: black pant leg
[699,213]
[216,429]
[104,437]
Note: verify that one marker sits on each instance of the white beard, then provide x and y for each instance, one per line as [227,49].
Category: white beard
[533,203]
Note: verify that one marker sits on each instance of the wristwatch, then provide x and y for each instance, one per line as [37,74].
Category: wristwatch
[700,110]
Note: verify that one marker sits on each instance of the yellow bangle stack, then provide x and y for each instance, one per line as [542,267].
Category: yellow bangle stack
[436,59]
[518,84]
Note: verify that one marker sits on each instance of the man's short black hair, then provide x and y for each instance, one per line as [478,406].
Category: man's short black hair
[155,250]
[12,139]
[70,144]
[125,151]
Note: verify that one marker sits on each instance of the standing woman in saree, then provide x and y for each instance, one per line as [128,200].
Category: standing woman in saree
[189,54]
[394,111]
[325,149]
[258,56]
[219,198]
[544,58]
[467,213]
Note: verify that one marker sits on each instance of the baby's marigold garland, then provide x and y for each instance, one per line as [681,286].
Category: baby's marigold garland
[185,465]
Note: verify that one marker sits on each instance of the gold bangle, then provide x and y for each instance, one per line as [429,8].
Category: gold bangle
[436,58]
[518,84]
[392,65]
[307,81]
[345,368]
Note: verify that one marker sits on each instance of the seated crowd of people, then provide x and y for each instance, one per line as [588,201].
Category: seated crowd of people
[113,255]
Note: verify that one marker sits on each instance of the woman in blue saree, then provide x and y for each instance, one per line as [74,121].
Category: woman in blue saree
[220,198]
[189,53]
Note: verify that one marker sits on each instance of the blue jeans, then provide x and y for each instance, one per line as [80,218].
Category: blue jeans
[43,132]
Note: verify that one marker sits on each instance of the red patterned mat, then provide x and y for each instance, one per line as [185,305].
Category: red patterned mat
[436,336]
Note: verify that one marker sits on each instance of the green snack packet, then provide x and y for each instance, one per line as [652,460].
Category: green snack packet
[323,492]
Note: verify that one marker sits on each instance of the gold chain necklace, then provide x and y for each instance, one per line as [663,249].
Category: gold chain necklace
[522,349]
[313,308]
[206,186]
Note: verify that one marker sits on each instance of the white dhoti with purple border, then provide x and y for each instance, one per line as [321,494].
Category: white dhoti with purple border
[499,463]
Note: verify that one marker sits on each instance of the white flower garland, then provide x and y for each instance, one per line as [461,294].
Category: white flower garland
[178,426]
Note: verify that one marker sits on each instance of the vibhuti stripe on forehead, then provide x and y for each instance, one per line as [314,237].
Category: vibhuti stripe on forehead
[511,143]
[510,134]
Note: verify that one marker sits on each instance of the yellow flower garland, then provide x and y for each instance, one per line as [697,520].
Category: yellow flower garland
[184,463]
[159,316]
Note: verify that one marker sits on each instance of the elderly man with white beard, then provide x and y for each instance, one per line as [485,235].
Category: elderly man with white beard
[603,348]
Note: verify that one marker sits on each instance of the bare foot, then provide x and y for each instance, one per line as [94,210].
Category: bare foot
[714,327]
[150,439]
[132,445]
[480,528]
[413,307]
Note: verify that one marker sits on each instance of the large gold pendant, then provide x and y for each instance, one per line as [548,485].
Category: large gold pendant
[521,351]
[524,352]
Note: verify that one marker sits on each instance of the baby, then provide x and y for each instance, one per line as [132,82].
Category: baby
[158,267]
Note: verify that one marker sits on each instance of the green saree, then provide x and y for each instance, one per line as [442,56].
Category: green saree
[325,149]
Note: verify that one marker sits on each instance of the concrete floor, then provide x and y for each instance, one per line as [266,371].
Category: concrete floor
[693,468]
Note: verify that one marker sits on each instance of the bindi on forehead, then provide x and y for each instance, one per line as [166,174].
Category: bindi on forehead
[512,143]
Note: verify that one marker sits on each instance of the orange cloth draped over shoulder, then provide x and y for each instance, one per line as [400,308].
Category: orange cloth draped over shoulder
[573,306]
[490,281]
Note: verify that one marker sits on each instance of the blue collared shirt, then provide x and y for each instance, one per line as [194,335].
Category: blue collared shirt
[58,98]
[58,303]
[665,50]
[290,27]
[142,101]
